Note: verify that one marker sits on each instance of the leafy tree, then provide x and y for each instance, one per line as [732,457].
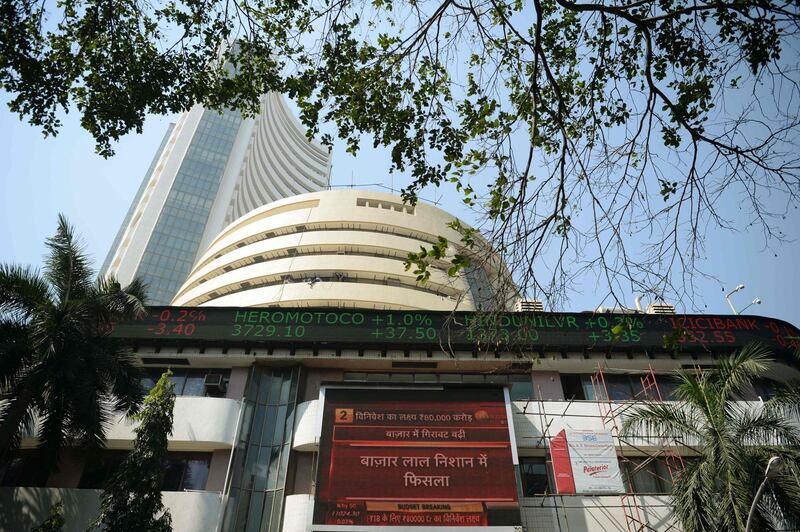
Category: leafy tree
[54,521]
[734,440]
[132,498]
[590,136]
[59,369]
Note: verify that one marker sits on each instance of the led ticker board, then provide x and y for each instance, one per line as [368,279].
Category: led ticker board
[434,458]
[434,330]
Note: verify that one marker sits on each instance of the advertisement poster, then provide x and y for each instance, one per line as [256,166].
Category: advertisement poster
[585,461]
[402,457]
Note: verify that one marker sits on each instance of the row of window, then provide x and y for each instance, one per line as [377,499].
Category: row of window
[520,386]
[642,475]
[628,387]
[189,382]
[182,471]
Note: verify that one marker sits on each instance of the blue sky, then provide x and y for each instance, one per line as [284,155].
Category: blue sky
[42,177]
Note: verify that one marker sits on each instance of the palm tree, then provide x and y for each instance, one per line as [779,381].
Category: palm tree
[60,371]
[734,440]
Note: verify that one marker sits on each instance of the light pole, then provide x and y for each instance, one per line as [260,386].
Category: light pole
[729,294]
[756,301]
[773,465]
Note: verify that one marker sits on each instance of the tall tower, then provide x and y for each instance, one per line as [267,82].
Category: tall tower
[210,169]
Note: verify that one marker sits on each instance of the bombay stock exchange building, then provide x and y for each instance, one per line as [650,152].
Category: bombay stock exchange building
[211,168]
[322,388]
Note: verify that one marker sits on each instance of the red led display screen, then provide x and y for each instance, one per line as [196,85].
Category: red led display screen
[415,458]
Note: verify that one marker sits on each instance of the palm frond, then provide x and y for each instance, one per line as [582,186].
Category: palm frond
[675,420]
[737,371]
[22,291]
[67,265]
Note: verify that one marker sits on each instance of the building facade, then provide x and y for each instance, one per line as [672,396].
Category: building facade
[210,169]
[274,402]
[344,249]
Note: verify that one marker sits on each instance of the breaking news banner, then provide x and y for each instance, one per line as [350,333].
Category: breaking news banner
[434,458]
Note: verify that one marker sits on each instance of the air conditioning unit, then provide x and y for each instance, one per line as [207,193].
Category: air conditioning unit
[214,384]
[660,308]
[528,305]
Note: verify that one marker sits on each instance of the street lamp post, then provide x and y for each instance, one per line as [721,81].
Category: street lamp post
[729,294]
[772,469]
[756,301]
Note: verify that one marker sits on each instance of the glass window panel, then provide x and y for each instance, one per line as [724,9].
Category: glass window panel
[196,473]
[264,386]
[588,388]
[284,467]
[246,417]
[276,382]
[274,462]
[286,387]
[377,377]
[254,514]
[497,379]
[173,475]
[279,425]
[425,377]
[288,427]
[178,378]
[262,464]
[195,384]
[534,476]
[619,387]
[667,386]
[450,377]
[664,475]
[355,376]
[249,473]
[269,426]
[277,510]
[644,477]
[473,378]
[267,514]
[258,420]
[521,390]
[401,377]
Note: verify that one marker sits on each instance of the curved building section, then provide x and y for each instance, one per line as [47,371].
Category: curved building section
[281,162]
[344,249]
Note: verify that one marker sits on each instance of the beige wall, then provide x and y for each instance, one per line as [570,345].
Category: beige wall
[303,474]
[548,385]
[314,377]
[218,469]
[237,383]
[577,513]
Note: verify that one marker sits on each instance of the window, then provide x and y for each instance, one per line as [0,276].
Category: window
[188,382]
[23,470]
[573,387]
[646,475]
[620,387]
[182,471]
[186,471]
[520,387]
[535,476]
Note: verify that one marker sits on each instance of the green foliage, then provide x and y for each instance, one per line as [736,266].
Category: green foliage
[132,498]
[54,521]
[734,440]
[557,119]
[57,361]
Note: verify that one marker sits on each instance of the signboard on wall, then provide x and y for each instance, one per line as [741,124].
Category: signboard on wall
[585,461]
[415,457]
